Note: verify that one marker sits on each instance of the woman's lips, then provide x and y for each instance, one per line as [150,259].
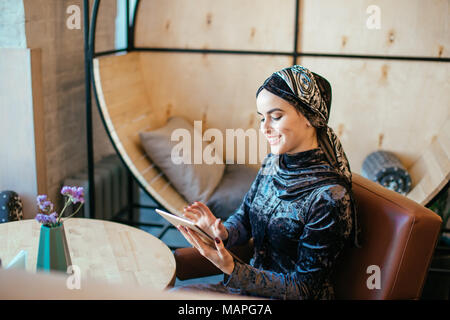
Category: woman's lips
[273,139]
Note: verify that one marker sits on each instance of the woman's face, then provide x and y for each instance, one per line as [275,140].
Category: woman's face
[286,129]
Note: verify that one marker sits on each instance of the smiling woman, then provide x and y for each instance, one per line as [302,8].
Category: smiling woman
[286,129]
[299,210]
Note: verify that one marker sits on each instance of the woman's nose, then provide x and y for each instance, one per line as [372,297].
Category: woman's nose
[266,126]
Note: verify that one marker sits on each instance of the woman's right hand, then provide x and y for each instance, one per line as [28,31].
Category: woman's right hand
[200,214]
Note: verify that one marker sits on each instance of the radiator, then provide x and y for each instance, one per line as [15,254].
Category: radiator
[111,189]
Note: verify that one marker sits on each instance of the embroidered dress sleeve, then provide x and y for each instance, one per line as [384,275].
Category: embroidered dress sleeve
[327,226]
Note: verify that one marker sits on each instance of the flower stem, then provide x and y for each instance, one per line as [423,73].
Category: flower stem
[79,207]
[65,206]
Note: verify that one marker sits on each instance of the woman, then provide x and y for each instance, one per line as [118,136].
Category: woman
[299,209]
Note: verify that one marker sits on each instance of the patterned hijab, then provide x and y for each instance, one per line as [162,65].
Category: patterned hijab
[310,94]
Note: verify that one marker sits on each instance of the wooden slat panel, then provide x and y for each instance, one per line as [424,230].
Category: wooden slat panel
[376,105]
[166,195]
[432,171]
[152,176]
[398,106]
[128,78]
[172,196]
[233,24]
[117,94]
[407,27]
[133,123]
[135,153]
[390,105]
[218,90]
[123,90]
[127,111]
[444,138]
[441,159]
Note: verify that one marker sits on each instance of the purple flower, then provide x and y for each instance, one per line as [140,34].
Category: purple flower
[44,204]
[79,195]
[47,220]
[53,218]
[42,218]
[76,194]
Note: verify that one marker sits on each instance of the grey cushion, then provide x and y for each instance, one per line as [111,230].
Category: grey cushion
[229,194]
[196,182]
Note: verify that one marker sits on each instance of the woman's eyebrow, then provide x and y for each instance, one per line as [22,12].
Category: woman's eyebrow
[270,111]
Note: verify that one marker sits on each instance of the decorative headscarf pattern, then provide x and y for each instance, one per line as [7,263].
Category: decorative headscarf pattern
[311,95]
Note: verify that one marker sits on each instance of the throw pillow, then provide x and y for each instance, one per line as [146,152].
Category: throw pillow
[237,180]
[196,182]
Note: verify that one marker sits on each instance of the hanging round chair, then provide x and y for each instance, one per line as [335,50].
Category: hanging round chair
[138,90]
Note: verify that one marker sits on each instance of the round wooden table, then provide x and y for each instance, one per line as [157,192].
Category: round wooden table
[103,250]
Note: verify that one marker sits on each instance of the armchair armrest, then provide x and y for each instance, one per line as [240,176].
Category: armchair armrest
[191,264]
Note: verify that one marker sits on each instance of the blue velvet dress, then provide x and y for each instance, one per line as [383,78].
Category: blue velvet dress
[299,213]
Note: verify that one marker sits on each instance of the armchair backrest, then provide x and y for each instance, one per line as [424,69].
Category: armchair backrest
[398,236]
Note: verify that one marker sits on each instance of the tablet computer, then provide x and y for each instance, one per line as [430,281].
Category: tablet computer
[180,221]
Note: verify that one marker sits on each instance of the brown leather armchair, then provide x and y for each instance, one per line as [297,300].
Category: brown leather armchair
[397,234]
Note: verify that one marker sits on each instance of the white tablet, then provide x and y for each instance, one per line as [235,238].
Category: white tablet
[179,221]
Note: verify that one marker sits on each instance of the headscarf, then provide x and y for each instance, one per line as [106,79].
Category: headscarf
[311,94]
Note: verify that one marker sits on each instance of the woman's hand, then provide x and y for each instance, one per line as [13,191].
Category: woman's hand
[200,214]
[219,256]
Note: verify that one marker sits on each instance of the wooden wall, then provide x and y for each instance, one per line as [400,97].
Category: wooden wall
[206,24]
[216,89]
[378,104]
[397,105]
[407,27]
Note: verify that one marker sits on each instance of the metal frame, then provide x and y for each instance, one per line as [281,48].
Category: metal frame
[90,54]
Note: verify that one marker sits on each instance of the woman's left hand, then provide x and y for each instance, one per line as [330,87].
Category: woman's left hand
[219,256]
